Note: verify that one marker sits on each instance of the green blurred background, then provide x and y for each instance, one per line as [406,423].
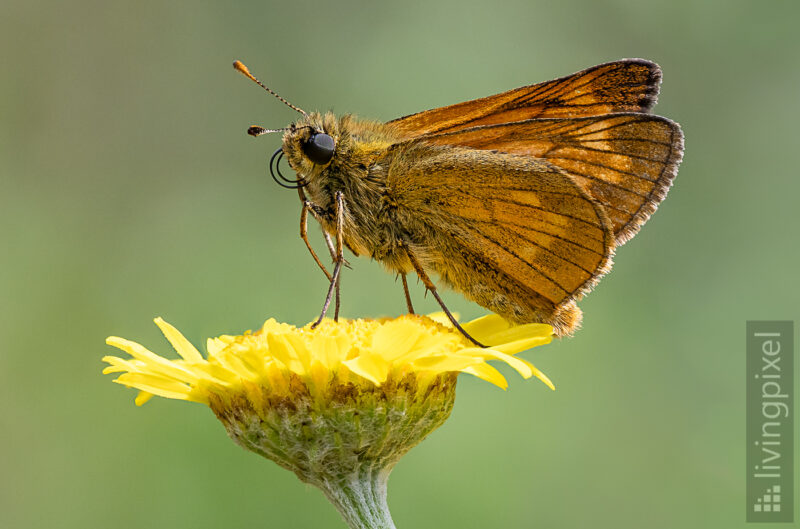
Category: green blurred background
[130,190]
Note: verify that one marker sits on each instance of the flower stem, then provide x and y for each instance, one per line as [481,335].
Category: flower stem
[361,499]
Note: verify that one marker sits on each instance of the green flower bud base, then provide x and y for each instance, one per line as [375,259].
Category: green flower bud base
[344,439]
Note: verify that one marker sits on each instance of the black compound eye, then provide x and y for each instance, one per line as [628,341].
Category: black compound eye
[319,148]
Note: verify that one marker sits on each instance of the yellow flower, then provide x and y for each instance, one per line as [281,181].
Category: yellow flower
[360,352]
[339,404]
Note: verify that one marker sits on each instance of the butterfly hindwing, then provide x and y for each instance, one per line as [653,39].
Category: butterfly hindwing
[625,161]
[537,240]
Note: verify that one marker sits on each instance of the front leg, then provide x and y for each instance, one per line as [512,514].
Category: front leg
[316,212]
[338,261]
[307,206]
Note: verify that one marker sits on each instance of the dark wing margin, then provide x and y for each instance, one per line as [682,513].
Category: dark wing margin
[628,85]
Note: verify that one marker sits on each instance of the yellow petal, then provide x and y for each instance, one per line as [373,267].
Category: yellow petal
[485,326]
[506,337]
[319,376]
[445,362]
[182,346]
[154,384]
[283,350]
[371,366]
[220,374]
[233,364]
[214,346]
[155,363]
[395,338]
[442,319]
[522,345]
[544,378]
[271,325]
[487,373]
[330,350]
[301,350]
[120,364]
[522,367]
[431,344]
[143,397]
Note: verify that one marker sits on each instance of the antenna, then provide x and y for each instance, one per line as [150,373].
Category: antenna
[238,65]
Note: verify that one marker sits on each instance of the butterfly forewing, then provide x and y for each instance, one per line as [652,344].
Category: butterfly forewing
[623,86]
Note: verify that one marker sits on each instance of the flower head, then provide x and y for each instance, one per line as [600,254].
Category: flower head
[339,404]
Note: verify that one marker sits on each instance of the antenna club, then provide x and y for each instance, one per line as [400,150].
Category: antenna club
[239,65]
[241,68]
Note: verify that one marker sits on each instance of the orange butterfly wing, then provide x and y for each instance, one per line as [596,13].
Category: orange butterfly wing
[592,124]
[629,85]
[537,243]
[625,161]
[514,234]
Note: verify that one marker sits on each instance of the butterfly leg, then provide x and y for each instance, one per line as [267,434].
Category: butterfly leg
[316,212]
[307,206]
[408,296]
[432,289]
[339,260]
[310,206]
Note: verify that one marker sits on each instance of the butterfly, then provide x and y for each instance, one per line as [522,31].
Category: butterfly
[517,200]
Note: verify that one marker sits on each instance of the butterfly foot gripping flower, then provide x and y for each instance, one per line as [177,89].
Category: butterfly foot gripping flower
[338,405]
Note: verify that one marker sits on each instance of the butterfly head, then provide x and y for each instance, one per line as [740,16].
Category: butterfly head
[310,144]
[307,143]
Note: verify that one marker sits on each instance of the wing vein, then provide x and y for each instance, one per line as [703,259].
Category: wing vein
[538,207]
[530,265]
[598,164]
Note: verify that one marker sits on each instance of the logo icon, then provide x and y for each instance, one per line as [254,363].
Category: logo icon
[770,501]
